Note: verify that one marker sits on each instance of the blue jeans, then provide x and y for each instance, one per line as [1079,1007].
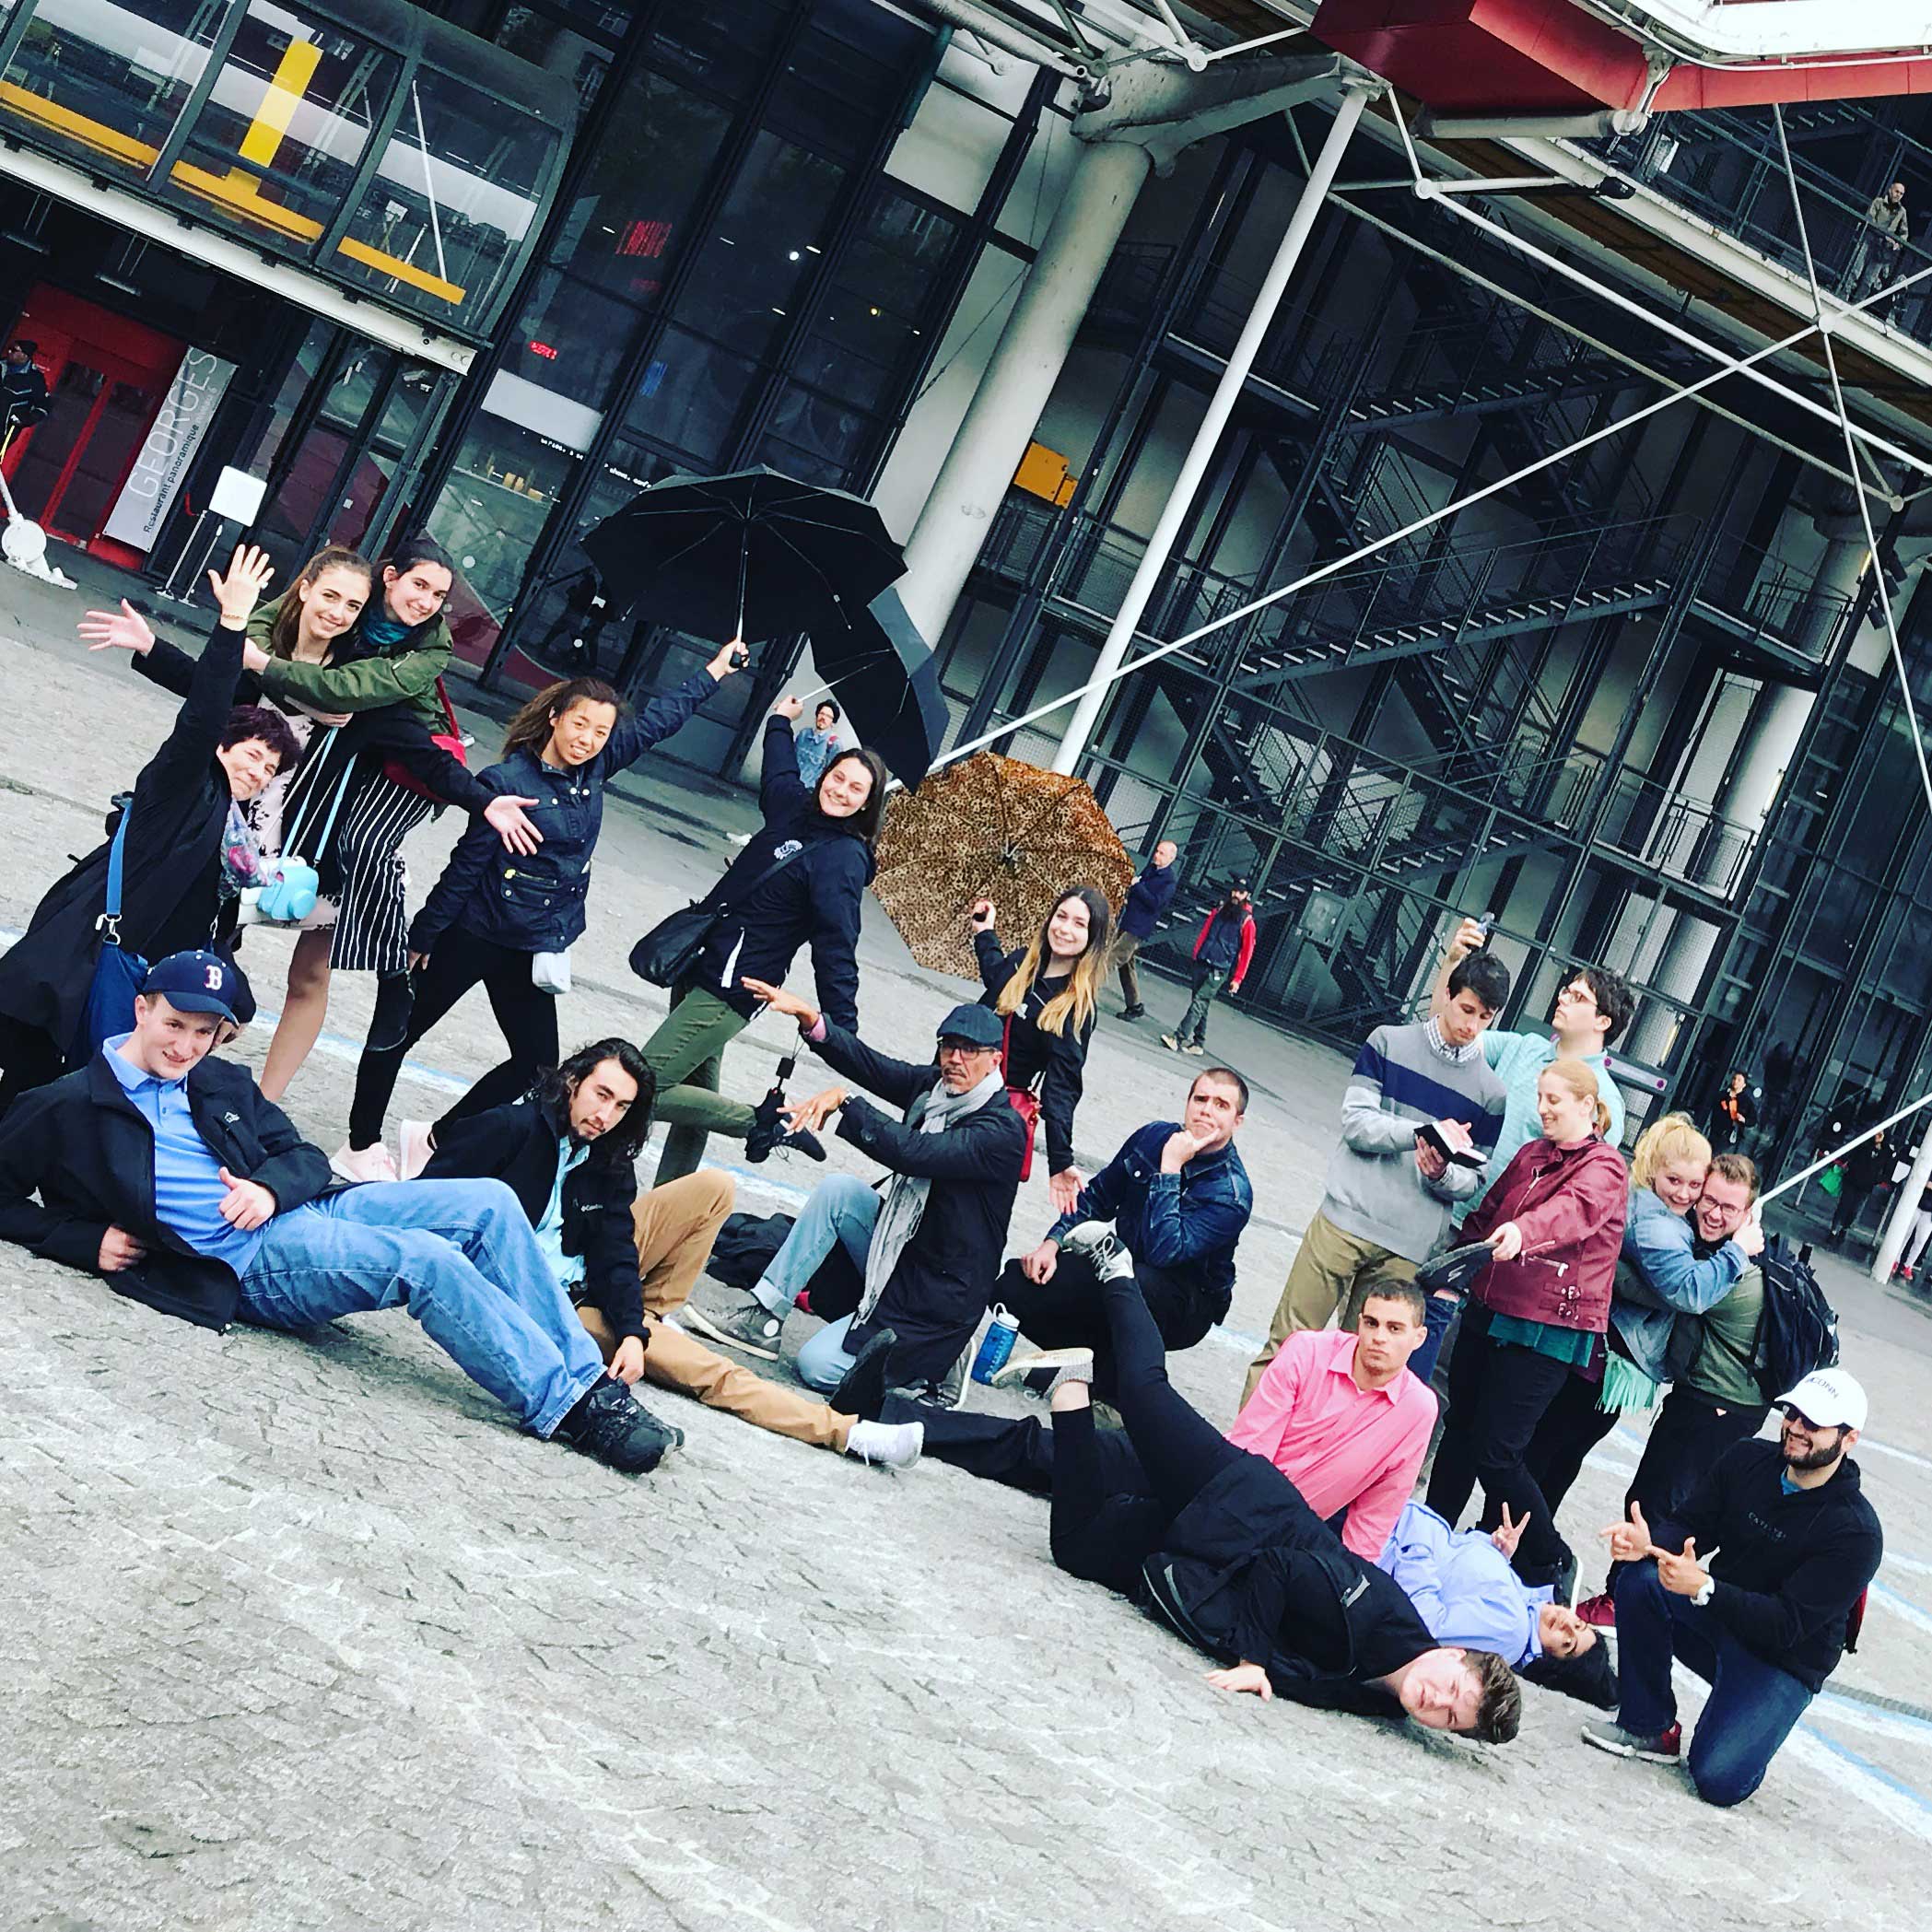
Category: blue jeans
[841,1212]
[1439,1312]
[461,1255]
[1753,1705]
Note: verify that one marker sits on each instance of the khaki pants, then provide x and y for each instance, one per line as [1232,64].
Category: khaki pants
[675,1225]
[1332,1267]
[1122,961]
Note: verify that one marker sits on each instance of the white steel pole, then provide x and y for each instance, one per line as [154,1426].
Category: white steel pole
[1207,437]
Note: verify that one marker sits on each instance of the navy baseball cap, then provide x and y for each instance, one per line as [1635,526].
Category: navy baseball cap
[196,982]
[978,1026]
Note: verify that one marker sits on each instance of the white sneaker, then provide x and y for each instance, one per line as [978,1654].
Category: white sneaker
[888,1445]
[1040,1375]
[373,1163]
[417,1146]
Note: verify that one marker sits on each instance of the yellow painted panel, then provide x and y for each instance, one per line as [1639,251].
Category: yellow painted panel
[403,270]
[239,192]
[286,87]
[1042,472]
[97,135]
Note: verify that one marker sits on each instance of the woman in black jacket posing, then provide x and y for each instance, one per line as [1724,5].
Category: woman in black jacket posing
[1050,993]
[493,912]
[801,881]
[185,861]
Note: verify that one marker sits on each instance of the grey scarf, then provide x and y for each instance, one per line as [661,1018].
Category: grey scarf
[931,1113]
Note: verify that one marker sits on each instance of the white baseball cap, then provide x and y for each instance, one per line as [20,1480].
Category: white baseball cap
[1831,1398]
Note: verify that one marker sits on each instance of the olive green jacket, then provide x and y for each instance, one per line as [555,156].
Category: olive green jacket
[406,675]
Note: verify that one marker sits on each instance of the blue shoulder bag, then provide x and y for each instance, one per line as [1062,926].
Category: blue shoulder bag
[118,972]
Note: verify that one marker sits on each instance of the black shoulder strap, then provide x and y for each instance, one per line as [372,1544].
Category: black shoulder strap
[771,872]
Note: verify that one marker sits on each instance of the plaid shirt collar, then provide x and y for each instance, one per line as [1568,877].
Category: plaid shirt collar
[1456,1056]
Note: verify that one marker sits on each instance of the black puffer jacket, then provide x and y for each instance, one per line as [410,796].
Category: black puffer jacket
[815,901]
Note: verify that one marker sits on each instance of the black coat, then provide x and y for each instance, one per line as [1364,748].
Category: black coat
[87,1151]
[816,900]
[171,865]
[944,1279]
[1052,1064]
[518,1145]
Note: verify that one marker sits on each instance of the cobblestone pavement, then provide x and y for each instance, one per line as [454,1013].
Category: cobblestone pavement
[303,1634]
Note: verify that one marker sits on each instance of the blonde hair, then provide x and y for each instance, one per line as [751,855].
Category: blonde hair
[1581,1080]
[1079,1000]
[1665,1142]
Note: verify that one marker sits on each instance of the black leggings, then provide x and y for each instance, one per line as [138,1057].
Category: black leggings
[408,1005]
[1099,1531]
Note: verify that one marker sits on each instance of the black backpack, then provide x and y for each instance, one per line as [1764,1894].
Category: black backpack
[1798,1328]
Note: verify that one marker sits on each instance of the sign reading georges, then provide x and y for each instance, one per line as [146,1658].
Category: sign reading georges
[167,448]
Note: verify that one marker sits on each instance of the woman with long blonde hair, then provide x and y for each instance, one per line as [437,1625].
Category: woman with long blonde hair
[1049,993]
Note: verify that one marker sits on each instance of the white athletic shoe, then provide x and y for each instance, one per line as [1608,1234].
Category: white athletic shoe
[373,1163]
[417,1147]
[887,1445]
[1040,1375]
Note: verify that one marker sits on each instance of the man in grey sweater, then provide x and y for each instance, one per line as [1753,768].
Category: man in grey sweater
[1390,1190]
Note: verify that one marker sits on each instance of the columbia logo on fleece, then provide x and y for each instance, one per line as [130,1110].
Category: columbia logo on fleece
[789,847]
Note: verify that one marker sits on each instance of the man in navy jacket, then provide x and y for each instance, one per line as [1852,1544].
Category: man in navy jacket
[1147,902]
[169,1174]
[1178,1196]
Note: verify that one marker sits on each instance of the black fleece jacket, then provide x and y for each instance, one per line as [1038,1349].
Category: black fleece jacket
[1789,1568]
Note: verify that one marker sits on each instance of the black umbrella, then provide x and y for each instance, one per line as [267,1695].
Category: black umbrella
[748,555]
[887,686]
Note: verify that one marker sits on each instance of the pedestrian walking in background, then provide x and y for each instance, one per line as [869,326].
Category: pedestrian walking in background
[800,881]
[817,742]
[186,853]
[506,921]
[1148,900]
[1222,951]
[1735,1113]
[1049,995]
[1866,1167]
[1554,1224]
[1920,1234]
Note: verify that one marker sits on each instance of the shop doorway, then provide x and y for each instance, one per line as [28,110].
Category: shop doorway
[106,378]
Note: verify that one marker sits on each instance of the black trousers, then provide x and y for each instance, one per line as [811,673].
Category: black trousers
[407,1006]
[1497,1396]
[1851,1204]
[1690,1434]
[1570,1428]
[1069,1311]
[29,1058]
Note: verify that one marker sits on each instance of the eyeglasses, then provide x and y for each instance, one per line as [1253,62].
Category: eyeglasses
[963,1048]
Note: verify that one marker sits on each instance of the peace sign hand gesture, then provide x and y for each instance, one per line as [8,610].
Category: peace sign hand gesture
[239,588]
[1508,1534]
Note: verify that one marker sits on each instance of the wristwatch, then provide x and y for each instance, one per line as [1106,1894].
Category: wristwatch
[1703,1596]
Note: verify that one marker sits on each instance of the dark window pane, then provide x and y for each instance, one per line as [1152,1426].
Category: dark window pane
[627,215]
[829,433]
[571,339]
[769,238]
[535,36]
[720,45]
[690,397]
[845,73]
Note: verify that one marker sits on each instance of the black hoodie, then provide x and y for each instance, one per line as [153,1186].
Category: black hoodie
[1789,1567]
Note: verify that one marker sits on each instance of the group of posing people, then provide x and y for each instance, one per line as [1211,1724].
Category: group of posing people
[1290,1548]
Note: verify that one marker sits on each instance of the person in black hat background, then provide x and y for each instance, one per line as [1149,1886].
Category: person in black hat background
[169,1174]
[1222,953]
[928,1250]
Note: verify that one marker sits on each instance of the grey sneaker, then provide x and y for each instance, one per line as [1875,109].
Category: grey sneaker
[751,1328]
[1041,1374]
[1171,1041]
[1097,1244]
[1606,1734]
[1197,1049]
[887,1445]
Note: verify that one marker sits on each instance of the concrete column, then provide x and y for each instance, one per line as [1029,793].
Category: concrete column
[1006,407]
[1200,452]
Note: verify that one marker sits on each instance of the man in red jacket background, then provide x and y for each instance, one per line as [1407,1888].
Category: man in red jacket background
[1221,955]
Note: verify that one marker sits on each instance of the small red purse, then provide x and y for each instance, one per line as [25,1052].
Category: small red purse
[450,741]
[1024,1101]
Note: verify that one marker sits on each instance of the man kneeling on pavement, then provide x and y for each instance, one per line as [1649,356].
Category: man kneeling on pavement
[167,1172]
[1178,1199]
[929,1248]
[1766,1620]
[628,1257]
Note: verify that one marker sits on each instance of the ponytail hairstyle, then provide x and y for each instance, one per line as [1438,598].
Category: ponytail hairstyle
[530,728]
[1663,1143]
[287,622]
[1581,1080]
[1079,999]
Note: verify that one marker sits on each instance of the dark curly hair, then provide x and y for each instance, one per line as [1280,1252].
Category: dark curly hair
[555,1086]
[246,721]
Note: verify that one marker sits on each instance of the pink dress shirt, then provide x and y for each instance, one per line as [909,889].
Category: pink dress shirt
[1341,1446]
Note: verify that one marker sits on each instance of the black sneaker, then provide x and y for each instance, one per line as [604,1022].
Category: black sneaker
[760,1146]
[610,1423]
[863,1393]
[1133,1012]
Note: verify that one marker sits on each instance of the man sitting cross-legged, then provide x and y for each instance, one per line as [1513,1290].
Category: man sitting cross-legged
[167,1172]
[1179,1198]
[929,1247]
[628,1257]
[1217,1544]
[1337,1411]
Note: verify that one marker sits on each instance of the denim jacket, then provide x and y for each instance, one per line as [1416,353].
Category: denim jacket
[1658,1245]
[1190,1220]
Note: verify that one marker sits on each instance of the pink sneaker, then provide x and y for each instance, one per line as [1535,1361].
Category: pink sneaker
[370,1164]
[417,1146]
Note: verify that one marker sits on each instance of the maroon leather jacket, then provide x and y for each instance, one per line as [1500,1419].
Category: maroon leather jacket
[1570,1203]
